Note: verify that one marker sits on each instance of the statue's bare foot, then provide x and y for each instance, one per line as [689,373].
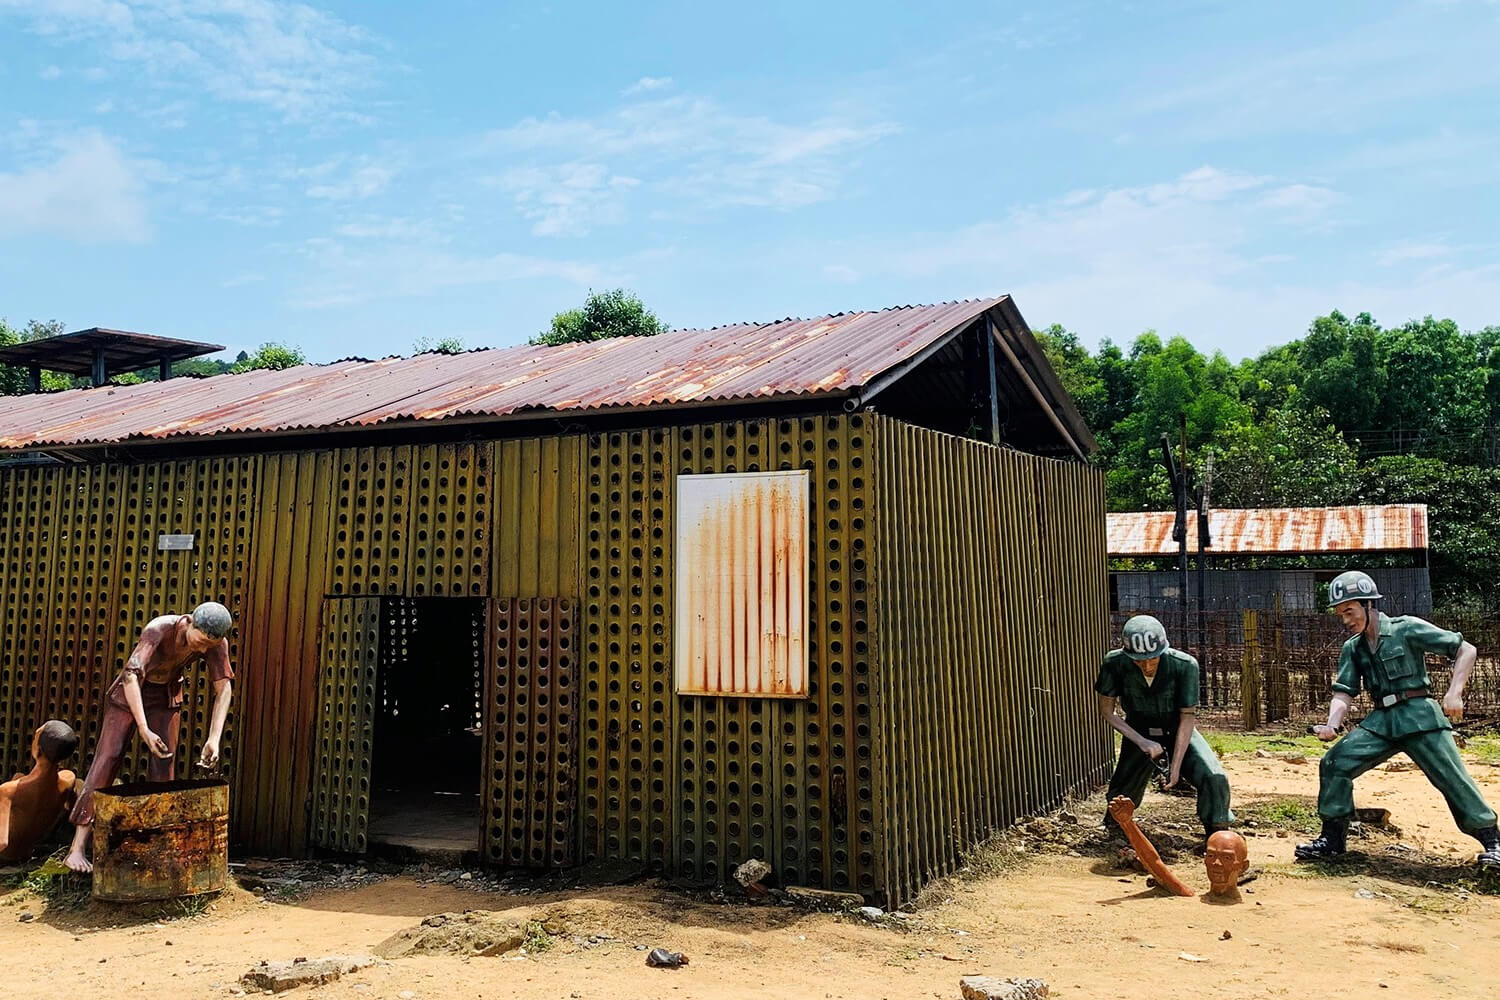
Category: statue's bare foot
[76,861]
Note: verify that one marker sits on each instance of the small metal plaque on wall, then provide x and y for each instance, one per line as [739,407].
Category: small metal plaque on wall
[174,543]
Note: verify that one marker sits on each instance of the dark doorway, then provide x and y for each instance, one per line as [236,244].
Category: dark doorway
[426,765]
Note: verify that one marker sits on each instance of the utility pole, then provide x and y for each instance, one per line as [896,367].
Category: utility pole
[1205,540]
[1179,527]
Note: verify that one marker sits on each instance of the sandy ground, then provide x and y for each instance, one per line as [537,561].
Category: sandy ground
[1419,928]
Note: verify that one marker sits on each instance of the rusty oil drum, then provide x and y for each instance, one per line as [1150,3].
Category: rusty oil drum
[161,840]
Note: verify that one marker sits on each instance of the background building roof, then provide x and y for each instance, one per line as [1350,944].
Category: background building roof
[1277,530]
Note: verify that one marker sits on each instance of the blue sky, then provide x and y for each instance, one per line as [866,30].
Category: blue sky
[350,177]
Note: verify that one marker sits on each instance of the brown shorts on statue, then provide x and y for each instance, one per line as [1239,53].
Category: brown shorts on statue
[114,735]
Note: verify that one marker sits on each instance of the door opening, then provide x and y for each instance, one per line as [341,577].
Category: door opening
[426,758]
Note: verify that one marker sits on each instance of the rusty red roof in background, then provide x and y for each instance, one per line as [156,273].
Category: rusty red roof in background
[794,357]
[1276,530]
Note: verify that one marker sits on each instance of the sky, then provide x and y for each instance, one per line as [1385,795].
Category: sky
[349,178]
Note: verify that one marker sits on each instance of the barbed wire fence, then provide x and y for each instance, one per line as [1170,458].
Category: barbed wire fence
[1277,667]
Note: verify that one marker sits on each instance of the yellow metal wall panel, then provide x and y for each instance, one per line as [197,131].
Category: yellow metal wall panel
[531,734]
[536,507]
[349,653]
[700,783]
[992,599]
[81,571]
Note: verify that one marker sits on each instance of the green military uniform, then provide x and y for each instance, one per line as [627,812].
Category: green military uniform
[1154,711]
[1402,720]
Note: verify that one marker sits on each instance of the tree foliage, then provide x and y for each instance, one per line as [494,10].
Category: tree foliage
[272,356]
[615,313]
[446,345]
[1351,412]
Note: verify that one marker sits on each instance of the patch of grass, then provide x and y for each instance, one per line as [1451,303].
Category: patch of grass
[995,856]
[537,940]
[1484,749]
[903,955]
[1284,814]
[188,906]
[69,891]
[1280,742]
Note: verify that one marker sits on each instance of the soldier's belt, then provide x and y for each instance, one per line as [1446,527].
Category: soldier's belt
[1392,700]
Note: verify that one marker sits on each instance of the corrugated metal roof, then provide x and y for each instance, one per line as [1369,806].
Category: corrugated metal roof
[829,355]
[1277,530]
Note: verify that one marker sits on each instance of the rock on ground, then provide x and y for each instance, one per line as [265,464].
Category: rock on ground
[995,988]
[752,871]
[279,976]
[478,932]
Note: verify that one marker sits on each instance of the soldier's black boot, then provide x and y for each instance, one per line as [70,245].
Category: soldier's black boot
[1490,841]
[1329,843]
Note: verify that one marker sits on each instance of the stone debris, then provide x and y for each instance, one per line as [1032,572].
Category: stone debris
[824,899]
[752,872]
[995,988]
[477,932]
[276,977]
[1188,956]
[661,958]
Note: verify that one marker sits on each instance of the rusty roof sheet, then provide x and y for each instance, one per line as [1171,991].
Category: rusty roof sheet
[1277,530]
[795,357]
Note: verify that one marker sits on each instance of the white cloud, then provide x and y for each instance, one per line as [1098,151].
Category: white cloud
[90,193]
[300,61]
[240,280]
[841,273]
[362,182]
[568,173]
[1200,254]
[1401,253]
[647,84]
[378,228]
[398,268]
[51,73]
[1304,82]
[255,216]
[104,107]
[568,199]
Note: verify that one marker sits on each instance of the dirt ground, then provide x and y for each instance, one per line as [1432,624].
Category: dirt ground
[1408,914]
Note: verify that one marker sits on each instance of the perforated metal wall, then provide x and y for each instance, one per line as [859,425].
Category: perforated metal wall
[82,574]
[700,784]
[531,734]
[993,607]
[347,670]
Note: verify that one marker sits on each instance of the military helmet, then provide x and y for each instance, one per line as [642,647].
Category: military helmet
[212,619]
[1145,638]
[1352,586]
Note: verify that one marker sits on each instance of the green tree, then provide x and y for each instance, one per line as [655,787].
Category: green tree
[1343,375]
[273,356]
[447,345]
[1436,401]
[1464,534]
[1172,380]
[615,313]
[16,381]
[1292,458]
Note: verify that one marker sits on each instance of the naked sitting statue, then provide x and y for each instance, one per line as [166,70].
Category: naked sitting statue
[32,804]
[147,697]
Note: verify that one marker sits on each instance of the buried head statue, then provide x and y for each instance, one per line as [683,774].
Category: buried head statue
[1226,857]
